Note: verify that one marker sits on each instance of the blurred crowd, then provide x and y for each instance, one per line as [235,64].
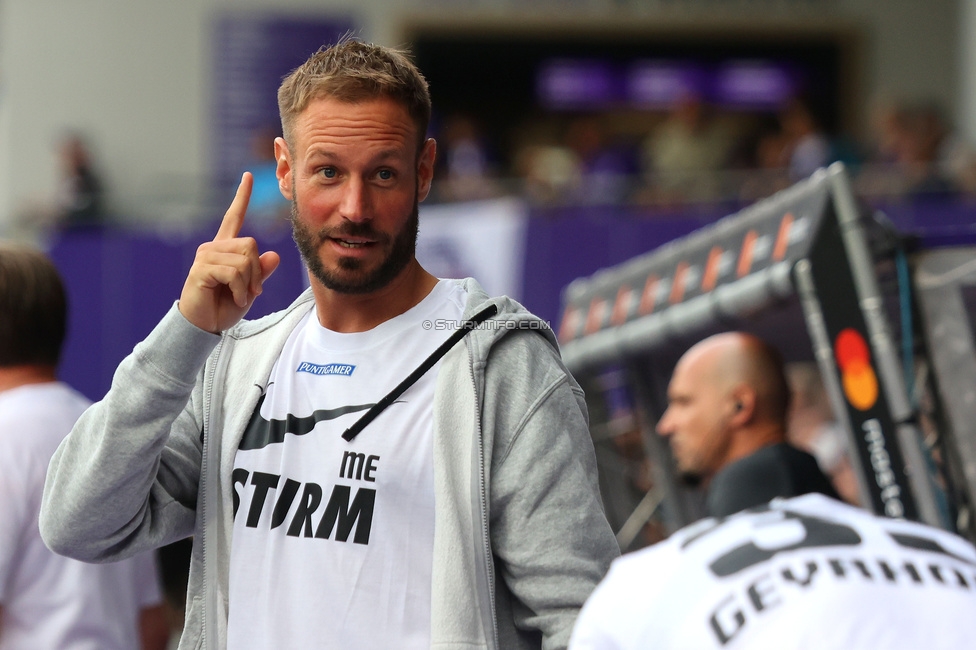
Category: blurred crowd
[691,153]
[694,152]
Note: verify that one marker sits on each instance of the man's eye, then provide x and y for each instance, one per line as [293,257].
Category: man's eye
[385,174]
[329,172]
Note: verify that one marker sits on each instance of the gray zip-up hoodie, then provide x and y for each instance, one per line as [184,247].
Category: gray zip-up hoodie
[520,536]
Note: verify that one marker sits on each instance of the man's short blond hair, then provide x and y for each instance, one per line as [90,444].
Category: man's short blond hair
[353,71]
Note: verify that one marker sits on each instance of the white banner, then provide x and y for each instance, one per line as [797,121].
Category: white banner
[481,239]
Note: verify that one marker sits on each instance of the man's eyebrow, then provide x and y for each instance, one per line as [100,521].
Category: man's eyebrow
[319,152]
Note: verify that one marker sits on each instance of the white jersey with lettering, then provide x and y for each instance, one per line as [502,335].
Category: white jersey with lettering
[808,572]
[333,540]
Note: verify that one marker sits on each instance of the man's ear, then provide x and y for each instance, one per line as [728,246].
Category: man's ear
[283,170]
[743,404]
[425,168]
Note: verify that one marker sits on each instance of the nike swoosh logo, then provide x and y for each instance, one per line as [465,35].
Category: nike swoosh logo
[261,432]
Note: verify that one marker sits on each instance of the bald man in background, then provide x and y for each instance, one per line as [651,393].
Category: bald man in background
[728,401]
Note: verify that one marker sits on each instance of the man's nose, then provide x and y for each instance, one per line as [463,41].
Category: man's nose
[354,205]
[664,424]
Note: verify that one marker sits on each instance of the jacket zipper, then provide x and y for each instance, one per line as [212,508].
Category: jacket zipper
[209,601]
[489,566]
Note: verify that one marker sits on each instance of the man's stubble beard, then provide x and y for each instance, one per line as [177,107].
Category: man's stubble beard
[400,255]
[701,467]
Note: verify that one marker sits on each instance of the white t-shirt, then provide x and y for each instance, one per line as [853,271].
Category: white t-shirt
[333,540]
[51,601]
[809,572]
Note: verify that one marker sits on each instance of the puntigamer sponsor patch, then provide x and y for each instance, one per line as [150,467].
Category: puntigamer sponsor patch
[342,369]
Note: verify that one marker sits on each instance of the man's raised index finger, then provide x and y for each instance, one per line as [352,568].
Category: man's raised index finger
[234,217]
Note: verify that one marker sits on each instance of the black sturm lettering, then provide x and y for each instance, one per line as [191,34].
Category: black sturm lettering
[262,483]
[343,513]
[346,514]
[284,501]
[239,476]
[306,507]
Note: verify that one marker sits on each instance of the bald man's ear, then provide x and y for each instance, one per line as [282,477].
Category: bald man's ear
[743,405]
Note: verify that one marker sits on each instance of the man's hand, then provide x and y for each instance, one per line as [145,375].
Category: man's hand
[227,273]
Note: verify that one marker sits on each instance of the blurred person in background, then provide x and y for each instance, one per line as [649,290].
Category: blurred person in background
[728,401]
[683,154]
[811,426]
[915,153]
[806,572]
[882,176]
[763,155]
[605,167]
[354,474]
[468,171]
[948,160]
[550,172]
[921,136]
[49,601]
[807,145]
[80,200]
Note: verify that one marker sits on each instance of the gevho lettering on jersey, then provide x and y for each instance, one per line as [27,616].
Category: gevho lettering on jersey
[799,551]
[326,369]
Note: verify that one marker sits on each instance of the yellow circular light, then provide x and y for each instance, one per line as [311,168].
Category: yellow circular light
[860,385]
